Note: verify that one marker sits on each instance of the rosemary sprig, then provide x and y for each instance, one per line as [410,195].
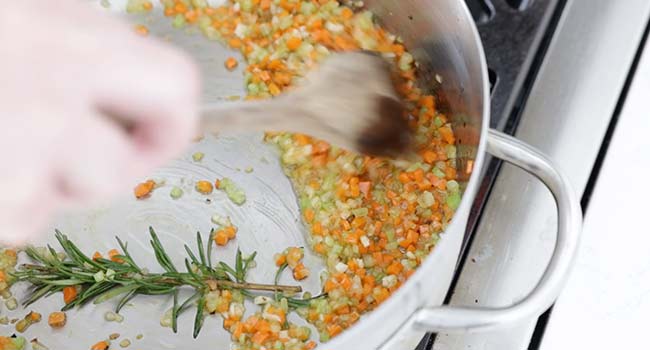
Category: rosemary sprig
[101,280]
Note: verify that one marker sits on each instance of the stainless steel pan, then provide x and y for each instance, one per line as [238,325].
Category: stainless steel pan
[442,36]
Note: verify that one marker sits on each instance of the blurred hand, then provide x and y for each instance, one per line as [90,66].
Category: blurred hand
[71,78]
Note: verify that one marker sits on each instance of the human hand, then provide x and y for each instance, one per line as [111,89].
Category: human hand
[71,79]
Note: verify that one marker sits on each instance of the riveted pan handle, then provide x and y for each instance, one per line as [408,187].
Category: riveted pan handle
[465,319]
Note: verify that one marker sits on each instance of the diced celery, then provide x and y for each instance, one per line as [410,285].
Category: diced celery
[453,186]
[234,192]
[179,21]
[307,8]
[451,151]
[453,200]
[360,212]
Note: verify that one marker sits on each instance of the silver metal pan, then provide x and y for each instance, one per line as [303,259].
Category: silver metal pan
[442,36]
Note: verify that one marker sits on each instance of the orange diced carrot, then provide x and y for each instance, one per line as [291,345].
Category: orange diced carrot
[69,294]
[142,30]
[231,63]
[102,345]
[57,319]
[112,254]
[221,238]
[144,189]
[294,43]
[204,187]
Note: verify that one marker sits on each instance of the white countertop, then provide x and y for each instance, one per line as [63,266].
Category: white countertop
[606,303]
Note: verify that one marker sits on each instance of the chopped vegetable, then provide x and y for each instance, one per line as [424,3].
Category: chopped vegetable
[231,63]
[204,187]
[234,192]
[176,192]
[198,156]
[144,189]
[28,320]
[69,294]
[12,343]
[11,303]
[57,319]
[36,345]
[125,343]
[102,345]
[142,30]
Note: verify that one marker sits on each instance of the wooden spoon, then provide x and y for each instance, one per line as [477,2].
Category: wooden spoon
[349,101]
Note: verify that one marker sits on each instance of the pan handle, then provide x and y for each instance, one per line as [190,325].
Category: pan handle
[461,318]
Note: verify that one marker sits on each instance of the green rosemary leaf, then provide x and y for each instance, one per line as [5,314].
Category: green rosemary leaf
[247,264]
[226,268]
[200,317]
[195,261]
[125,299]
[112,293]
[126,256]
[239,266]
[37,294]
[192,274]
[175,312]
[210,245]
[66,282]
[199,243]
[72,251]
[161,255]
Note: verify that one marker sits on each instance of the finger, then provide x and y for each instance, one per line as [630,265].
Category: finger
[156,93]
[28,202]
[96,161]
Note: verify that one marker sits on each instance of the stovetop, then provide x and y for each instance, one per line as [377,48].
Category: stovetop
[558,70]
[514,35]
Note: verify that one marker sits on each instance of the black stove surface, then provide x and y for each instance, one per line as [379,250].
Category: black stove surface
[515,34]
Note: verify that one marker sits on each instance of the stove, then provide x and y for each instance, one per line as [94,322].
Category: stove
[558,71]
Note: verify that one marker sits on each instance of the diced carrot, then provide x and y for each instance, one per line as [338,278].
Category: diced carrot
[230,231]
[309,215]
[102,345]
[112,254]
[320,248]
[239,330]
[395,268]
[221,238]
[204,187]
[346,13]
[274,89]
[280,259]
[300,272]
[294,255]
[317,228]
[69,294]
[294,43]
[57,319]
[334,330]
[144,189]
[97,255]
[260,337]
[142,30]
[228,322]
[231,63]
